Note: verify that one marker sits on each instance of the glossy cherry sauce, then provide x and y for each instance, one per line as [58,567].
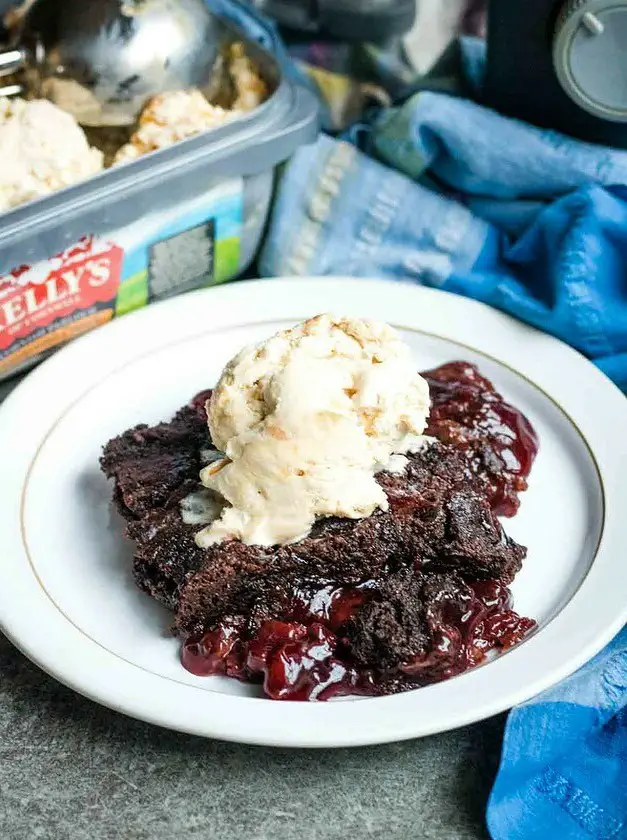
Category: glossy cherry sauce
[499,442]
[305,658]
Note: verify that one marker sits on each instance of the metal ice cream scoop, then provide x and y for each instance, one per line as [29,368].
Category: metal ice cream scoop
[102,59]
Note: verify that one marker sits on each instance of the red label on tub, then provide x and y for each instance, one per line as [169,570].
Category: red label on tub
[44,305]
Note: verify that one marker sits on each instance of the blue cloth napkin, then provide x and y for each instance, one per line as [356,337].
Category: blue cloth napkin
[563,773]
[533,223]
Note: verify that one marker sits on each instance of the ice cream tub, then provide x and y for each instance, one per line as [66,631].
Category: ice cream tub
[186,216]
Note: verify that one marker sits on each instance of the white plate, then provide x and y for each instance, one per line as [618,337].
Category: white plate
[67,599]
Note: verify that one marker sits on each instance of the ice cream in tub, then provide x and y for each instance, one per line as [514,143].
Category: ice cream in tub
[117,221]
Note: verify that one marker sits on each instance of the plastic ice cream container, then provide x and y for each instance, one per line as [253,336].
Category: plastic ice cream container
[186,216]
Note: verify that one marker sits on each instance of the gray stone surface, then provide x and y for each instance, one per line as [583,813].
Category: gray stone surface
[71,770]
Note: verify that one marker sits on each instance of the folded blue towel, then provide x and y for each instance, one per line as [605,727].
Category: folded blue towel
[535,224]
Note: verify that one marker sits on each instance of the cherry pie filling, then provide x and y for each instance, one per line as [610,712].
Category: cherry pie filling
[499,442]
[306,657]
[305,654]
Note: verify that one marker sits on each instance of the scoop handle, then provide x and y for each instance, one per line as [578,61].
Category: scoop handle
[11,61]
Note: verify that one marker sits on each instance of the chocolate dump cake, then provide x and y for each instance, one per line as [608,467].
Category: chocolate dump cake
[411,594]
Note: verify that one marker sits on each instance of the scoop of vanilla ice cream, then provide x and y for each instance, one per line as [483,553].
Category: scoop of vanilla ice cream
[305,421]
[171,117]
[42,149]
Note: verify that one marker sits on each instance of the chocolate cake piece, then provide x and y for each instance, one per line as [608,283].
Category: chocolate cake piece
[149,464]
[391,628]
[437,520]
[166,554]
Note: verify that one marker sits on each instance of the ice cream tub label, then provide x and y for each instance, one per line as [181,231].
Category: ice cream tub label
[102,276]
